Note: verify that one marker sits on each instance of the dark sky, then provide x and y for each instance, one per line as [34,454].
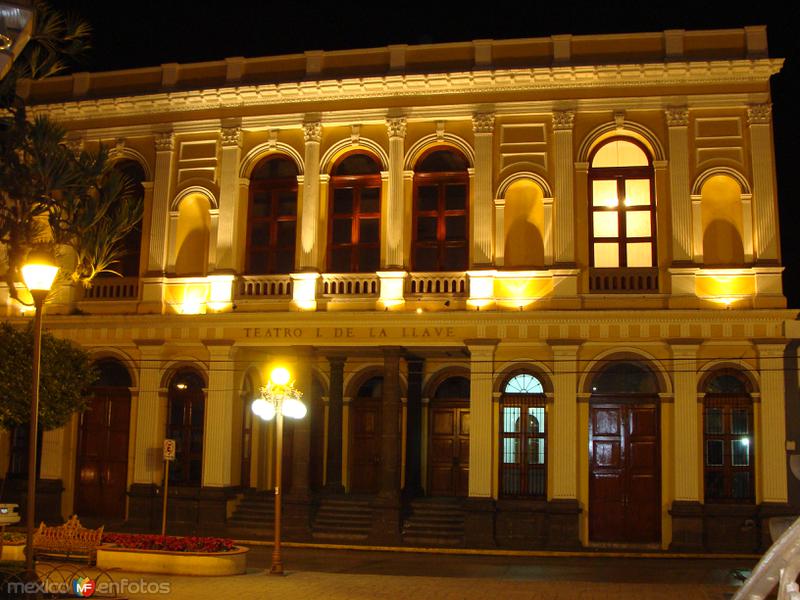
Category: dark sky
[150,32]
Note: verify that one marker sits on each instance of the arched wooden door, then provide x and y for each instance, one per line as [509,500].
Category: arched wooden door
[448,444]
[103,434]
[365,438]
[624,456]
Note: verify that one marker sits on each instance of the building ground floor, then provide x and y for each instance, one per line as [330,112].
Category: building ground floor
[597,429]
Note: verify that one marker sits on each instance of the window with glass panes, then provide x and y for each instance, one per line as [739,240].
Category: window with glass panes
[728,441]
[272,217]
[622,205]
[441,216]
[523,438]
[185,425]
[354,218]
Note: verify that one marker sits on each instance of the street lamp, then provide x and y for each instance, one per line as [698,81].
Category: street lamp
[39,272]
[279,398]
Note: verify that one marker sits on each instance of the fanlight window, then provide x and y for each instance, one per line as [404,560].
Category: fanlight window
[622,205]
[523,383]
[625,378]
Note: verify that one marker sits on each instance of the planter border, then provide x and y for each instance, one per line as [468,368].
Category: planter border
[232,562]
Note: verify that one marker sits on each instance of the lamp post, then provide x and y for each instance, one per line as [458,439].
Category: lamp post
[39,272]
[279,399]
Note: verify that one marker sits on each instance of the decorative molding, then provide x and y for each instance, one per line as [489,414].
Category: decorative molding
[759,113]
[502,189]
[396,127]
[231,136]
[330,156]
[677,116]
[355,134]
[270,146]
[648,136]
[312,132]
[619,119]
[165,141]
[483,123]
[563,119]
[122,152]
[735,174]
[416,151]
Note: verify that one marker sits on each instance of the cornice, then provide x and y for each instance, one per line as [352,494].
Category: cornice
[415,85]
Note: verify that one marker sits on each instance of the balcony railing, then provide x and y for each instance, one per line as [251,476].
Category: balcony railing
[264,286]
[442,284]
[340,285]
[629,280]
[112,288]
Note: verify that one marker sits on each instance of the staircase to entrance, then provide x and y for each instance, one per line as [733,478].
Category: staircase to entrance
[342,518]
[254,516]
[435,522]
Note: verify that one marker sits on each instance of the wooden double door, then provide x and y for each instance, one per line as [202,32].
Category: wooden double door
[102,469]
[624,470]
[448,449]
[365,445]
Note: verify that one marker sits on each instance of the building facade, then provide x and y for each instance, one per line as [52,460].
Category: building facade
[531,291]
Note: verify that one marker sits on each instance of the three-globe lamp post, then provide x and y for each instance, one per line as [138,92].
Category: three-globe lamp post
[279,399]
[39,273]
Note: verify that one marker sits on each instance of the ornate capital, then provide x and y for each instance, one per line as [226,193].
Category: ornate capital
[396,127]
[312,132]
[165,141]
[483,122]
[231,136]
[677,116]
[75,145]
[563,119]
[759,113]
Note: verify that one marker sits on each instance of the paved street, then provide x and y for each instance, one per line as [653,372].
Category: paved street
[342,574]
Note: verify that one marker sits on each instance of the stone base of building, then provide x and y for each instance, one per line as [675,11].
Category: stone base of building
[479,522]
[296,511]
[212,509]
[731,528]
[48,498]
[767,511]
[538,523]
[563,524]
[687,526]
[386,521]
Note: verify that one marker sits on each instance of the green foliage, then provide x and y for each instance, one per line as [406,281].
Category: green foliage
[66,375]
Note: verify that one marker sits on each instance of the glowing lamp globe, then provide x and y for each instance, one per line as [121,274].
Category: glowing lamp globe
[39,272]
[263,409]
[293,408]
[279,376]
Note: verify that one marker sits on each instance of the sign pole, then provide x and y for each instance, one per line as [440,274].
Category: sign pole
[165,490]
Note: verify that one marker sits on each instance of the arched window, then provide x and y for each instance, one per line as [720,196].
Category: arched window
[128,265]
[456,387]
[625,378]
[441,217]
[272,217]
[185,425]
[728,439]
[523,466]
[622,205]
[354,234]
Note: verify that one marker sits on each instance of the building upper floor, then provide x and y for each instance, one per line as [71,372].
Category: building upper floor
[631,170]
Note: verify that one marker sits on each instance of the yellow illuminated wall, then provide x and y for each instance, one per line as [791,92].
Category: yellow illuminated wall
[192,237]
[524,224]
[721,209]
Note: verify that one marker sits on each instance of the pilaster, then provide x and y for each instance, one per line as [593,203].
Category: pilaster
[482,432]
[773,423]
[231,151]
[678,123]
[564,238]
[162,179]
[688,456]
[309,221]
[219,414]
[333,470]
[396,204]
[149,430]
[564,453]
[483,127]
[759,117]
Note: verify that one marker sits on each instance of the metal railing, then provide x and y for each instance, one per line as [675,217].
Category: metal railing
[779,567]
[442,284]
[264,286]
[112,288]
[631,280]
[350,285]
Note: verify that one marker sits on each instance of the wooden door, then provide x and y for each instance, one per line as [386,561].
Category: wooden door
[624,472]
[365,446]
[102,470]
[448,451]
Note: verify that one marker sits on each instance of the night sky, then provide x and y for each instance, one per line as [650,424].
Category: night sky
[151,32]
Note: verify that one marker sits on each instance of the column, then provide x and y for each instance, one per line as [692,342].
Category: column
[413,482]
[396,204]
[482,433]
[772,433]
[678,123]
[759,117]
[309,222]
[483,127]
[162,180]
[333,469]
[390,420]
[53,475]
[218,433]
[697,228]
[144,508]
[301,444]
[231,150]
[564,238]
[500,231]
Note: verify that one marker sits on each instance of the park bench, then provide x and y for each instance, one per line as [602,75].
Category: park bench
[68,540]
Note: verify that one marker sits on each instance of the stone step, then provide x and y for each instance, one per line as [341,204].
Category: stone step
[424,540]
[434,528]
[341,536]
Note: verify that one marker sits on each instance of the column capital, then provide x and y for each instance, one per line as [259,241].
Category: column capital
[75,143]
[165,141]
[563,120]
[677,116]
[312,132]
[231,137]
[396,127]
[483,122]
[759,114]
[770,348]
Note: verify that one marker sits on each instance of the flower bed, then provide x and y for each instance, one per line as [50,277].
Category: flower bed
[13,547]
[171,555]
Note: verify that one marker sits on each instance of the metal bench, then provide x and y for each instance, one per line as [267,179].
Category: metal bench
[69,540]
